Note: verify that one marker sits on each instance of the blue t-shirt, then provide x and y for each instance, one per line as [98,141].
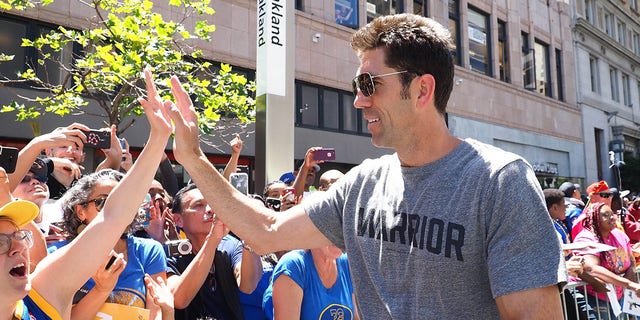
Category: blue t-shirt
[318,302]
[212,300]
[252,303]
[143,256]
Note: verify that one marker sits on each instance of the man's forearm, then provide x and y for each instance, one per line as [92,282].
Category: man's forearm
[186,286]
[240,213]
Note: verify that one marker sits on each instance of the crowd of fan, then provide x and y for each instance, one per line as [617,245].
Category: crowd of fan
[600,232]
[174,258]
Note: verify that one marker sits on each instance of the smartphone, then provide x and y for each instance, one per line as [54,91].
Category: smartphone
[145,209]
[111,261]
[240,181]
[325,154]
[97,139]
[273,203]
[8,158]
[123,144]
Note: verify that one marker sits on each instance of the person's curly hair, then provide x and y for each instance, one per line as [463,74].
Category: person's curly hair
[79,194]
[591,220]
[592,223]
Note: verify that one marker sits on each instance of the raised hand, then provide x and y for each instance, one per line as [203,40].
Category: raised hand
[106,278]
[236,144]
[155,108]
[115,150]
[159,297]
[71,136]
[309,160]
[65,170]
[186,143]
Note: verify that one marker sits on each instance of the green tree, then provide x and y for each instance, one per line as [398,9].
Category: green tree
[124,37]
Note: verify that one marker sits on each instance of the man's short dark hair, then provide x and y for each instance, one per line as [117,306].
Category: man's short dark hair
[553,196]
[414,43]
[176,206]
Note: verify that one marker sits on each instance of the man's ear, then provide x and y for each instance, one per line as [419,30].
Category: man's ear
[177,220]
[427,85]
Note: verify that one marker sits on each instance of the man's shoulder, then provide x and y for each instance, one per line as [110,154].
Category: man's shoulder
[491,153]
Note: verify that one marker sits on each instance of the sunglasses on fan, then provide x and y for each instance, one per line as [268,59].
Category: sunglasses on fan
[364,82]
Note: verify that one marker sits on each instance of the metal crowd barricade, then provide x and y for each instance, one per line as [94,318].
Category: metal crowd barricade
[581,287]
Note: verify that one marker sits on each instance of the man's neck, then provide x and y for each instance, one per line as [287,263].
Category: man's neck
[428,152]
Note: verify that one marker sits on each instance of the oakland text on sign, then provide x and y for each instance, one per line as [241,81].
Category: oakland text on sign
[273,14]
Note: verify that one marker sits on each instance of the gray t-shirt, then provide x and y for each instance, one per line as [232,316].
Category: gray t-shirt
[441,241]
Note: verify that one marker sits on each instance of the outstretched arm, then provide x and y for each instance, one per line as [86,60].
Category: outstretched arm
[264,230]
[86,252]
[70,136]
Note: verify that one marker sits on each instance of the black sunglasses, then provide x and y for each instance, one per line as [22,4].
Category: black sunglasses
[605,194]
[99,202]
[364,82]
[28,179]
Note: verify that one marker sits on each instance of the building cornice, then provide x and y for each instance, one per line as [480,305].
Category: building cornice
[582,25]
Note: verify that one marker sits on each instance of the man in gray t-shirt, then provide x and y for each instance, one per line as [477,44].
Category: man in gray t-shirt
[442,229]
[442,240]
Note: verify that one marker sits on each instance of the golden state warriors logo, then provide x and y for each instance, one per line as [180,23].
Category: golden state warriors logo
[127,297]
[336,312]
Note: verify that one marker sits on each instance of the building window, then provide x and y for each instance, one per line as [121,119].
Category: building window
[420,7]
[376,8]
[347,13]
[12,31]
[503,52]
[300,5]
[542,66]
[608,24]
[589,10]
[594,74]
[626,89]
[598,135]
[613,79]
[638,83]
[327,109]
[559,75]
[636,43]
[330,109]
[528,63]
[454,29]
[634,5]
[622,33]
[11,34]
[479,47]
[349,114]
[309,106]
